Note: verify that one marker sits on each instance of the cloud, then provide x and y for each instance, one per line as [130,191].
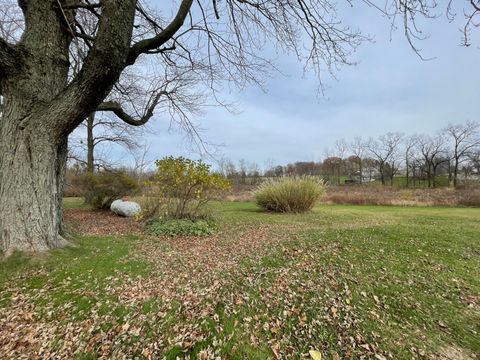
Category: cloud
[391,89]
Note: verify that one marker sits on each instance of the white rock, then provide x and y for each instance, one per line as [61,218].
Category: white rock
[125,208]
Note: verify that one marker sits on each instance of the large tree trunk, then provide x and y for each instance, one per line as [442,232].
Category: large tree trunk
[32,152]
[41,108]
[31,185]
[61,167]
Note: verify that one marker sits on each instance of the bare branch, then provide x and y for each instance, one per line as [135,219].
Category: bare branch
[83,36]
[167,34]
[100,70]
[215,8]
[82,5]
[117,109]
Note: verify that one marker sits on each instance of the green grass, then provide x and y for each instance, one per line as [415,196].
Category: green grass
[87,265]
[75,203]
[421,263]
[401,182]
[402,280]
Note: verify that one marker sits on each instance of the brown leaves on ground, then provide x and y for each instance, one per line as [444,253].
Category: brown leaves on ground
[100,223]
[289,308]
[454,353]
[188,279]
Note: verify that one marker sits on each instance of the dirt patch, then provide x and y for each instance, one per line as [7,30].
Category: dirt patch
[100,223]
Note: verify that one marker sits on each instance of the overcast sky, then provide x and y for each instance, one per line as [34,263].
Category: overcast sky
[390,89]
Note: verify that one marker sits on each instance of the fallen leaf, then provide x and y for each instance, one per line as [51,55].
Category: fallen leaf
[316,355]
[334,311]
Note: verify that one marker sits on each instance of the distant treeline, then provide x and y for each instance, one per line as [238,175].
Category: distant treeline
[419,160]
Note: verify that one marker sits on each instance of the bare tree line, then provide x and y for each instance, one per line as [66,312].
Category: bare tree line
[454,152]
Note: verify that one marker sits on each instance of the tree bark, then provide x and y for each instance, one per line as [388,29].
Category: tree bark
[382,174]
[32,155]
[407,180]
[90,143]
[31,186]
[455,169]
[61,167]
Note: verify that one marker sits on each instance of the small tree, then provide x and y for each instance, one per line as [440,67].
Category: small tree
[385,153]
[410,144]
[464,139]
[358,149]
[433,151]
[184,187]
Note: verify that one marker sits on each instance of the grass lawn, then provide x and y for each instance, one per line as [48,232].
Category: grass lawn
[348,281]
[401,181]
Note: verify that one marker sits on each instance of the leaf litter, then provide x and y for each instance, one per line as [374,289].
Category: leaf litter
[204,298]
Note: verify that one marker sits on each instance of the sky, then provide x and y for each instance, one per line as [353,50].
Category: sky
[390,89]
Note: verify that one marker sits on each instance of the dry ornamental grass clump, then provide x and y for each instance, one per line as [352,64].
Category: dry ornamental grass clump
[289,194]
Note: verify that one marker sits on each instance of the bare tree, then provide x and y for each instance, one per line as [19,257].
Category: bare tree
[358,148]
[465,138]
[254,173]
[69,55]
[410,144]
[331,165]
[474,158]
[433,151]
[272,170]
[385,151]
[340,151]
[142,162]
[101,131]
[228,169]
[242,171]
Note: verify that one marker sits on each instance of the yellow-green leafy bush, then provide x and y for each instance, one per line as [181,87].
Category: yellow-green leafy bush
[289,194]
[182,187]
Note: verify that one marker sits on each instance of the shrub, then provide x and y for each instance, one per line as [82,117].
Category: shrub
[179,227]
[289,194]
[74,184]
[182,187]
[106,186]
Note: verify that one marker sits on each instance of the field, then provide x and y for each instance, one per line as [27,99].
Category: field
[348,281]
[375,194]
